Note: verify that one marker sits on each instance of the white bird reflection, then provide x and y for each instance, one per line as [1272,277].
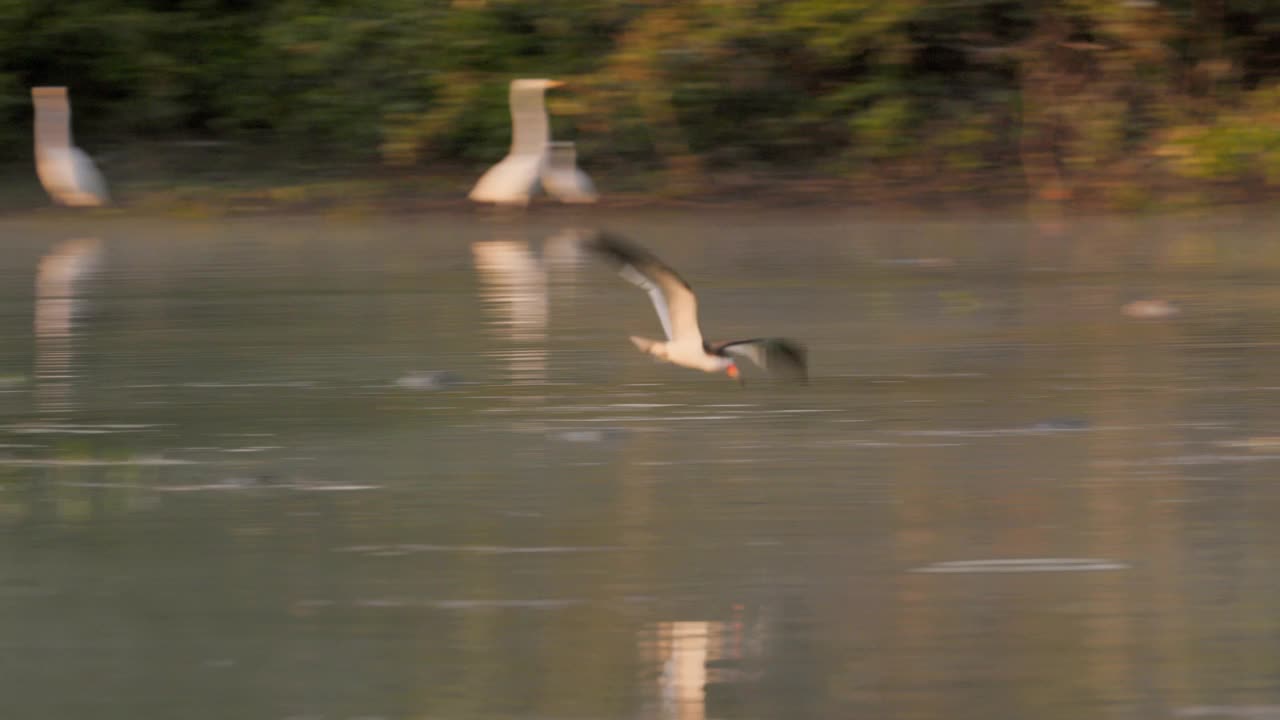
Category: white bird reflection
[562,254]
[533,158]
[66,172]
[515,287]
[693,656]
[514,284]
[59,280]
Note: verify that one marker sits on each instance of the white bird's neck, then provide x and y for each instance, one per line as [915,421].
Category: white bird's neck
[529,130]
[53,124]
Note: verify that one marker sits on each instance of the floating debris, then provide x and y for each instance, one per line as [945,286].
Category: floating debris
[1150,309]
[428,380]
[591,435]
[582,436]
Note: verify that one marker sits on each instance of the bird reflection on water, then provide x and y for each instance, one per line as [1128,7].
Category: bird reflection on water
[59,286]
[697,665]
[515,287]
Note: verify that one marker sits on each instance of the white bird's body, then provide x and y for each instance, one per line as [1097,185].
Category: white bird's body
[533,158]
[66,172]
[514,180]
[677,309]
[510,182]
[562,178]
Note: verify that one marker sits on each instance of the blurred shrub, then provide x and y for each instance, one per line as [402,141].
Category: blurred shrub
[1240,143]
[1070,90]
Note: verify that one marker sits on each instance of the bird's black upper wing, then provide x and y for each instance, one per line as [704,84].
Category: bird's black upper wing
[779,356]
[672,297]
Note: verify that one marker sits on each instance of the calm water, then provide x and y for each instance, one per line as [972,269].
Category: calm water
[413,469]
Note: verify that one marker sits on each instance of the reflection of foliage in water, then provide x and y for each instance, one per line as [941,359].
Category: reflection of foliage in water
[69,482]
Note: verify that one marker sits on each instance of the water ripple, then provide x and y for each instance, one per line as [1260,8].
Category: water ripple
[407,548]
[1022,565]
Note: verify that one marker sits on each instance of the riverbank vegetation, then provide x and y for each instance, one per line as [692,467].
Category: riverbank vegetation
[1119,102]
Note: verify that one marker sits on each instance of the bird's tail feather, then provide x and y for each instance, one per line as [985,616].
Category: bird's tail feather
[656,348]
[643,343]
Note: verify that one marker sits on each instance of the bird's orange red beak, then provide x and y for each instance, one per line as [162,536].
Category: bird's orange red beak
[732,371]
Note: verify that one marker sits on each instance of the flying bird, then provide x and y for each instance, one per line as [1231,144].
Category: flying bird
[677,308]
[66,172]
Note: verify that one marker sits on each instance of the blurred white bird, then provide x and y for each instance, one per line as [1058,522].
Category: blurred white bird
[677,308]
[67,173]
[513,180]
[59,303]
[562,177]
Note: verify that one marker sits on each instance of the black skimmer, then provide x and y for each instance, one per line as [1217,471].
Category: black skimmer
[677,308]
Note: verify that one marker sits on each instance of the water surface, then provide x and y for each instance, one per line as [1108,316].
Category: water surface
[305,468]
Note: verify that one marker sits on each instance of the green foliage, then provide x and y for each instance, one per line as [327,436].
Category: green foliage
[1241,143]
[1082,85]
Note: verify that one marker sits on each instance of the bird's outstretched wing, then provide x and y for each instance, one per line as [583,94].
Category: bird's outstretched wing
[779,356]
[672,297]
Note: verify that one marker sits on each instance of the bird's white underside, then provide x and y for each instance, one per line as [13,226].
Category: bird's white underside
[677,310]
